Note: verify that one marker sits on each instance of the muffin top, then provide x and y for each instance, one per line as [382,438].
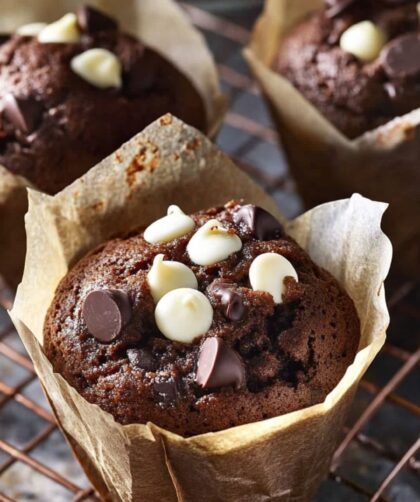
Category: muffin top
[356,61]
[201,323]
[73,91]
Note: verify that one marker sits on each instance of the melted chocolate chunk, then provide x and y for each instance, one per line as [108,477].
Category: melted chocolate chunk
[167,390]
[258,222]
[24,113]
[219,365]
[141,358]
[105,313]
[92,20]
[234,308]
[400,58]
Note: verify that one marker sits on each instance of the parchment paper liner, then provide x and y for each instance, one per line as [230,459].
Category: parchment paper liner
[162,25]
[283,458]
[382,164]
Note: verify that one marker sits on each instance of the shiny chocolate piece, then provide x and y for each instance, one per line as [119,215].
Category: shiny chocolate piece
[336,7]
[92,20]
[4,37]
[260,223]
[219,365]
[141,358]
[167,390]
[106,312]
[234,308]
[24,113]
[400,57]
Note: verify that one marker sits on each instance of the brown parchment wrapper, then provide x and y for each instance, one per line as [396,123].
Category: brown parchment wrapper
[281,459]
[383,164]
[162,25]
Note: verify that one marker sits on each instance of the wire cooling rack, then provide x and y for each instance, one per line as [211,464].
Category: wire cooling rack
[376,460]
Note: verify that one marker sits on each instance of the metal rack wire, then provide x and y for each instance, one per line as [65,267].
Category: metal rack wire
[376,459]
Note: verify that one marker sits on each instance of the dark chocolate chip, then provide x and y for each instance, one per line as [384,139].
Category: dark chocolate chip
[336,7]
[141,358]
[24,113]
[234,308]
[138,79]
[259,222]
[219,365]
[400,57]
[92,20]
[106,312]
[167,390]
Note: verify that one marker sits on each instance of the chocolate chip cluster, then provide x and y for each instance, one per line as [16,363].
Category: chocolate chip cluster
[184,314]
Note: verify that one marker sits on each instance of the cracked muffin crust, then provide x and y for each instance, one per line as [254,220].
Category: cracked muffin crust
[354,92]
[260,356]
[55,124]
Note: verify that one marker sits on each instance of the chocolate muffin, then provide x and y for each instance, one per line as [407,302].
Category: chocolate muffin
[201,323]
[72,92]
[356,61]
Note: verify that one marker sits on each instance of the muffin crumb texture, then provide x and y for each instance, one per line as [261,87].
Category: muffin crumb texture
[147,333]
[356,61]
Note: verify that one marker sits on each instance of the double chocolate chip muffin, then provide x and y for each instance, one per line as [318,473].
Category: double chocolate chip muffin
[201,323]
[356,61]
[73,91]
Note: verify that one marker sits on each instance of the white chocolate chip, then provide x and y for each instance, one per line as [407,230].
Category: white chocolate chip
[170,227]
[164,276]
[183,314]
[267,273]
[99,67]
[364,40]
[65,30]
[31,29]
[212,243]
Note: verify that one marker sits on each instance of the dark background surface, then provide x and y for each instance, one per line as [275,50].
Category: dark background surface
[35,462]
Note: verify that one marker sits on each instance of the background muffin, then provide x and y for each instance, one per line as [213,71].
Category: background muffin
[361,78]
[262,353]
[332,145]
[57,121]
